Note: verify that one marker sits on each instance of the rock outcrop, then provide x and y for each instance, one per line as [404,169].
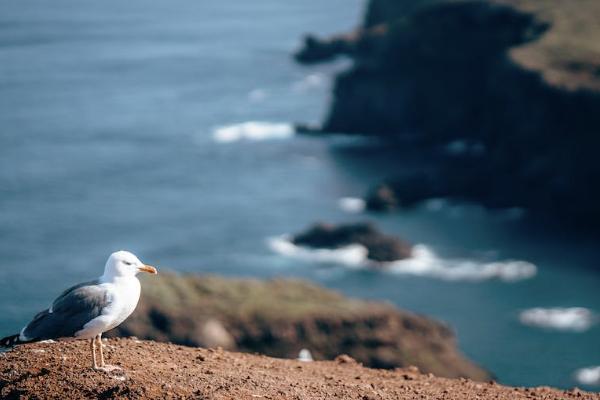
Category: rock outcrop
[380,247]
[153,370]
[281,317]
[515,81]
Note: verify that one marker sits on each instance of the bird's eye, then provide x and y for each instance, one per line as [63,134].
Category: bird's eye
[127,263]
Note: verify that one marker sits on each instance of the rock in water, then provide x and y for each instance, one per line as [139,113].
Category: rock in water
[382,198]
[382,248]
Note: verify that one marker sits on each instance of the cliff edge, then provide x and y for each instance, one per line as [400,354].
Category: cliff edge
[281,317]
[164,371]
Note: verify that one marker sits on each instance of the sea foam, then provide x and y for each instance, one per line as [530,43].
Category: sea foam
[424,262]
[257,95]
[354,255]
[253,131]
[588,376]
[309,82]
[352,205]
[574,319]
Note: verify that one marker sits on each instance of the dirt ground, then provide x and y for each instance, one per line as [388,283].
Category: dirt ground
[157,370]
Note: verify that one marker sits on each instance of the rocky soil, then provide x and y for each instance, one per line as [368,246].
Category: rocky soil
[151,370]
[281,317]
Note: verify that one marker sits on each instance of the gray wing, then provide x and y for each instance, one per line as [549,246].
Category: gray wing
[74,308]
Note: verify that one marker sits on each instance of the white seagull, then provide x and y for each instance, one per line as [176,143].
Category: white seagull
[89,309]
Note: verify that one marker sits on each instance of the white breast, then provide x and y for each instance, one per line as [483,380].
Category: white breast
[125,300]
[123,295]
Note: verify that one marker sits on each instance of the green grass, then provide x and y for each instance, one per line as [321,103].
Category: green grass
[568,54]
[235,298]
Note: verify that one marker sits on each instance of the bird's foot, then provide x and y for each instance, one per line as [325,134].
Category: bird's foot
[107,368]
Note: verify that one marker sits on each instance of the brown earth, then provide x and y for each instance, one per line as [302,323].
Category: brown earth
[165,371]
[280,317]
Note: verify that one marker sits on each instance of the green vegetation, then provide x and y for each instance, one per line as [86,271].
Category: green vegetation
[568,54]
[240,298]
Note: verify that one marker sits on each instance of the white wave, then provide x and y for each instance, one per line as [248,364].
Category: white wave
[462,147]
[257,95]
[424,262]
[588,376]
[354,255]
[309,82]
[352,204]
[436,204]
[252,130]
[575,319]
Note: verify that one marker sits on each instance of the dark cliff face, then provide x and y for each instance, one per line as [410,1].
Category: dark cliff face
[281,317]
[430,72]
[384,11]
[442,71]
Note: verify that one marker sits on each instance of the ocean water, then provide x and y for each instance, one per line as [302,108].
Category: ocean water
[164,128]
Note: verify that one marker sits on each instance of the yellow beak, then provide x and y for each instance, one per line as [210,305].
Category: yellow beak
[148,268]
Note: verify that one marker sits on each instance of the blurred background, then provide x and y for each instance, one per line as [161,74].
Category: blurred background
[201,135]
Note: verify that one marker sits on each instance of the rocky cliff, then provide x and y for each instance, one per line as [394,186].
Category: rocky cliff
[281,317]
[152,370]
[509,88]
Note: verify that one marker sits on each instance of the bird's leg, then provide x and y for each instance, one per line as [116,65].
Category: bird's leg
[104,367]
[99,339]
[93,348]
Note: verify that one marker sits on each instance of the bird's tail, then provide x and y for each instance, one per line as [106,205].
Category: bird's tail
[10,341]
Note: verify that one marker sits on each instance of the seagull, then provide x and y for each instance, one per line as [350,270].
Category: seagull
[89,309]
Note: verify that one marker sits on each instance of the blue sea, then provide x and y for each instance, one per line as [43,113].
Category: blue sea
[164,128]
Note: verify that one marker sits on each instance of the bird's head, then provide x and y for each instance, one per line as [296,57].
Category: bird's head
[123,264]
